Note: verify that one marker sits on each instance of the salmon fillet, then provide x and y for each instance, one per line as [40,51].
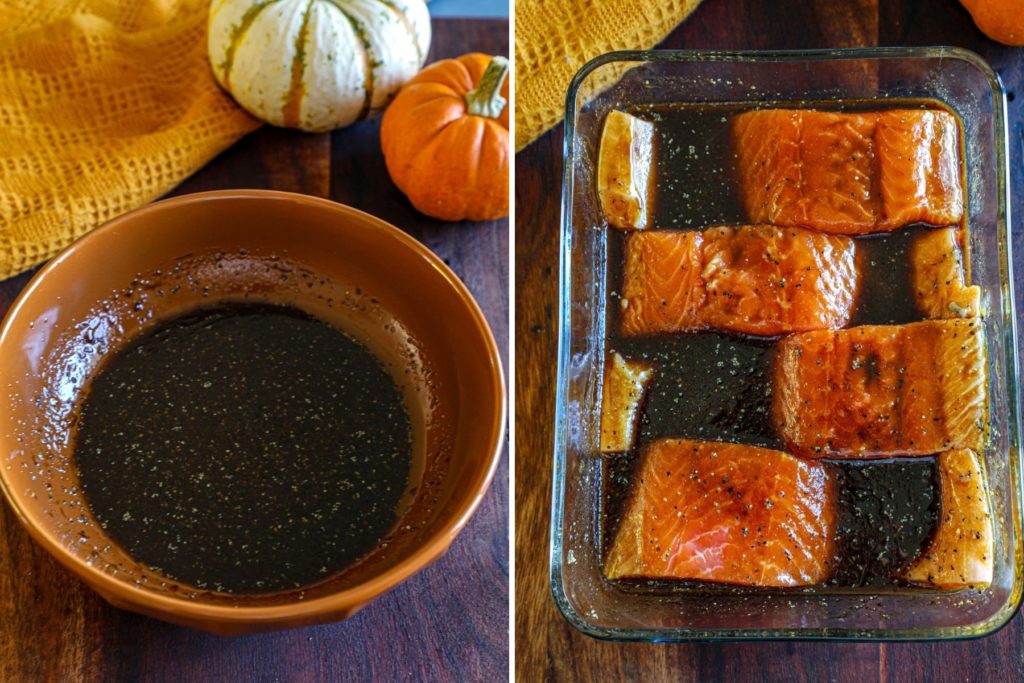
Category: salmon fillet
[625,382]
[768,165]
[838,161]
[961,552]
[726,513]
[937,272]
[882,390]
[919,168]
[624,170]
[757,280]
[849,173]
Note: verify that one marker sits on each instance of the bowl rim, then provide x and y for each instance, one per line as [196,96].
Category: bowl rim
[350,598]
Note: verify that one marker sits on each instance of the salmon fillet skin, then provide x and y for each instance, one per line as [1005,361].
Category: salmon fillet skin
[849,173]
[937,274]
[625,170]
[726,513]
[756,280]
[882,390]
[961,553]
[625,383]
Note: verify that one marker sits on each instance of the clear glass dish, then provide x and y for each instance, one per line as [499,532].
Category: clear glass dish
[600,608]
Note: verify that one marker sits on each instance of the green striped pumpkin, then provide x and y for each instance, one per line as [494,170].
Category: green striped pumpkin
[316,64]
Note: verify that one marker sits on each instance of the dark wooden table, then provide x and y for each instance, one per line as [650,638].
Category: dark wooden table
[449,622]
[546,646]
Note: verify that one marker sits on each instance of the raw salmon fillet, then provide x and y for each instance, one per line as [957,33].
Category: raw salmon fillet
[625,382]
[849,173]
[919,168]
[726,513]
[624,172]
[662,288]
[961,552]
[757,280]
[937,272]
[882,390]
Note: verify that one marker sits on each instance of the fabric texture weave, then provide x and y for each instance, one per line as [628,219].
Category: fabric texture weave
[554,39]
[104,106]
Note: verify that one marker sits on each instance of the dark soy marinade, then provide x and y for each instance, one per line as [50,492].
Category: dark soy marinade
[886,295]
[245,449]
[717,387]
[695,168]
[707,386]
[888,510]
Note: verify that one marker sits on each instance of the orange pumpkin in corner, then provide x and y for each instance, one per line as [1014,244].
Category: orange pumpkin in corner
[1000,20]
[445,139]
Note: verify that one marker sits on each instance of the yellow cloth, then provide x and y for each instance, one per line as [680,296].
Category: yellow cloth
[554,38]
[104,106]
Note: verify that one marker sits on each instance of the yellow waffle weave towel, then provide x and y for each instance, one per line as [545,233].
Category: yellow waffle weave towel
[554,38]
[104,106]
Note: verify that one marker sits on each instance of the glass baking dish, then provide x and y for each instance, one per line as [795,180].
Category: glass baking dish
[600,608]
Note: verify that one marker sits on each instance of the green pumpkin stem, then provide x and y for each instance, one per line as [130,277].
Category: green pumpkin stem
[485,99]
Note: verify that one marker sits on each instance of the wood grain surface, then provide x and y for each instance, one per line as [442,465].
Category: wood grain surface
[547,648]
[449,622]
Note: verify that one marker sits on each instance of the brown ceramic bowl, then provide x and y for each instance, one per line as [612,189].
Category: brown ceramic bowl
[332,261]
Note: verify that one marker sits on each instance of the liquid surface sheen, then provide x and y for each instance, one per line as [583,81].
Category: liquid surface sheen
[245,449]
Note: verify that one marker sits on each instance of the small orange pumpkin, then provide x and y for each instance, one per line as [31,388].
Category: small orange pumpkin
[445,139]
[1000,20]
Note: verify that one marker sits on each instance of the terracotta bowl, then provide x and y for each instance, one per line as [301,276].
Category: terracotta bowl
[332,261]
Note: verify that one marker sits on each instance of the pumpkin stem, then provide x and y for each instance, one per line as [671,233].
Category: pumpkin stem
[484,99]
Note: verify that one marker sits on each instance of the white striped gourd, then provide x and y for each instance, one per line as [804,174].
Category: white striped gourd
[316,64]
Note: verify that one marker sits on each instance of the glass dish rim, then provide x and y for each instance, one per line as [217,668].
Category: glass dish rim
[1009,330]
